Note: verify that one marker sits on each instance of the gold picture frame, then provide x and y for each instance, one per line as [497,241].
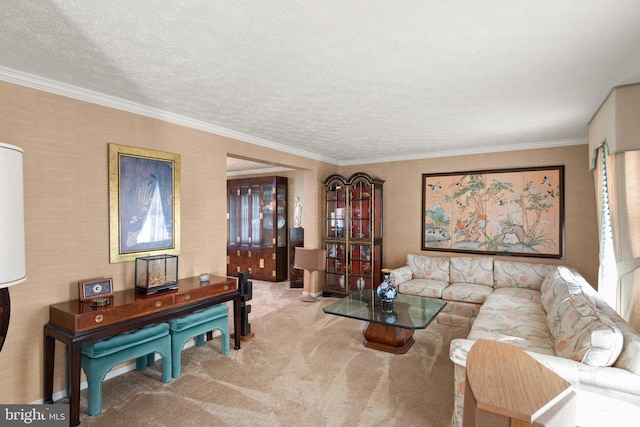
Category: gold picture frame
[518,212]
[144,203]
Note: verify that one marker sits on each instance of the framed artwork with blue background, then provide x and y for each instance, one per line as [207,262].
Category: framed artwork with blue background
[144,203]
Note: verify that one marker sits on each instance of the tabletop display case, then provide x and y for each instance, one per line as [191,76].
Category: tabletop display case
[353,233]
[156,273]
[257,227]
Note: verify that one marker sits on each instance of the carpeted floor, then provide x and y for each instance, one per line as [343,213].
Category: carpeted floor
[303,368]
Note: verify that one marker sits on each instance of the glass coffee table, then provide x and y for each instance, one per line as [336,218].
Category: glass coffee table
[388,328]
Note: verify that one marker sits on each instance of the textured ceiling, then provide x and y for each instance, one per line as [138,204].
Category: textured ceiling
[341,81]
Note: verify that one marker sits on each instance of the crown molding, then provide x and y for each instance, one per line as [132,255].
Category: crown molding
[35,82]
[471,151]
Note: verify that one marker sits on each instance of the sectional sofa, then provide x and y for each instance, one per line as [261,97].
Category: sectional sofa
[549,311]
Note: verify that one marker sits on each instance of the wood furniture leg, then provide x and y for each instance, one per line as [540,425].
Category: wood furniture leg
[236,322]
[75,367]
[52,333]
[49,355]
[387,338]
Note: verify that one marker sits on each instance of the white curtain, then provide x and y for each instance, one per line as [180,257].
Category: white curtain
[607,272]
[623,183]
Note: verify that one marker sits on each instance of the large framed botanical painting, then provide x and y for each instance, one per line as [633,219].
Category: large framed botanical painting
[144,203]
[495,212]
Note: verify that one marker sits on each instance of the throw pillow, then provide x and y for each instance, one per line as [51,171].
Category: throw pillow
[598,343]
[559,284]
[581,331]
[629,358]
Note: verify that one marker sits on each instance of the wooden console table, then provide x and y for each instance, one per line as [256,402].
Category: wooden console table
[75,323]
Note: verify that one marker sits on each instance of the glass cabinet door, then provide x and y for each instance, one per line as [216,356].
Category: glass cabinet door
[245,232]
[233,235]
[377,212]
[336,266]
[360,216]
[336,199]
[256,234]
[267,215]
[281,198]
[360,267]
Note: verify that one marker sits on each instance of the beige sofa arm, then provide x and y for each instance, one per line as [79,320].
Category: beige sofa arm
[578,374]
[593,377]
[459,350]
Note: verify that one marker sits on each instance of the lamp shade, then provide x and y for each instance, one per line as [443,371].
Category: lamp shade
[12,246]
[309,259]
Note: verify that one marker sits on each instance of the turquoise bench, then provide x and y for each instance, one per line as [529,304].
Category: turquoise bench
[99,357]
[196,325]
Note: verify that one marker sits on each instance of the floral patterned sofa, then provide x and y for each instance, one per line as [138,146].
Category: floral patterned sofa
[550,311]
[463,282]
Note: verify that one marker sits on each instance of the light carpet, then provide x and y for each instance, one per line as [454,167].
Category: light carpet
[302,368]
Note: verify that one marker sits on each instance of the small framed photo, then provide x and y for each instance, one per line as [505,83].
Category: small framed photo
[95,288]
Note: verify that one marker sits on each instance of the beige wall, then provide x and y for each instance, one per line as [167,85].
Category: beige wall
[403,200]
[65,144]
[67,212]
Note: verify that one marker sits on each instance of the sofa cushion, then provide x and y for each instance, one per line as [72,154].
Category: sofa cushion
[517,319]
[476,270]
[582,332]
[467,292]
[460,314]
[198,317]
[116,343]
[559,284]
[522,293]
[427,267]
[423,287]
[509,274]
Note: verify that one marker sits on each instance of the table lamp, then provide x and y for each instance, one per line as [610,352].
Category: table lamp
[12,248]
[310,260]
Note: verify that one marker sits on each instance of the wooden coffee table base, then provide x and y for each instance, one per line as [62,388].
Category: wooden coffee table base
[387,338]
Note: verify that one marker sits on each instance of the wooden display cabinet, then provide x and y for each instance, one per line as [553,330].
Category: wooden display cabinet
[257,212]
[353,233]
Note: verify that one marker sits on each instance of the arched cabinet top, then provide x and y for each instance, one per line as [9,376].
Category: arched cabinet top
[335,179]
[358,176]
